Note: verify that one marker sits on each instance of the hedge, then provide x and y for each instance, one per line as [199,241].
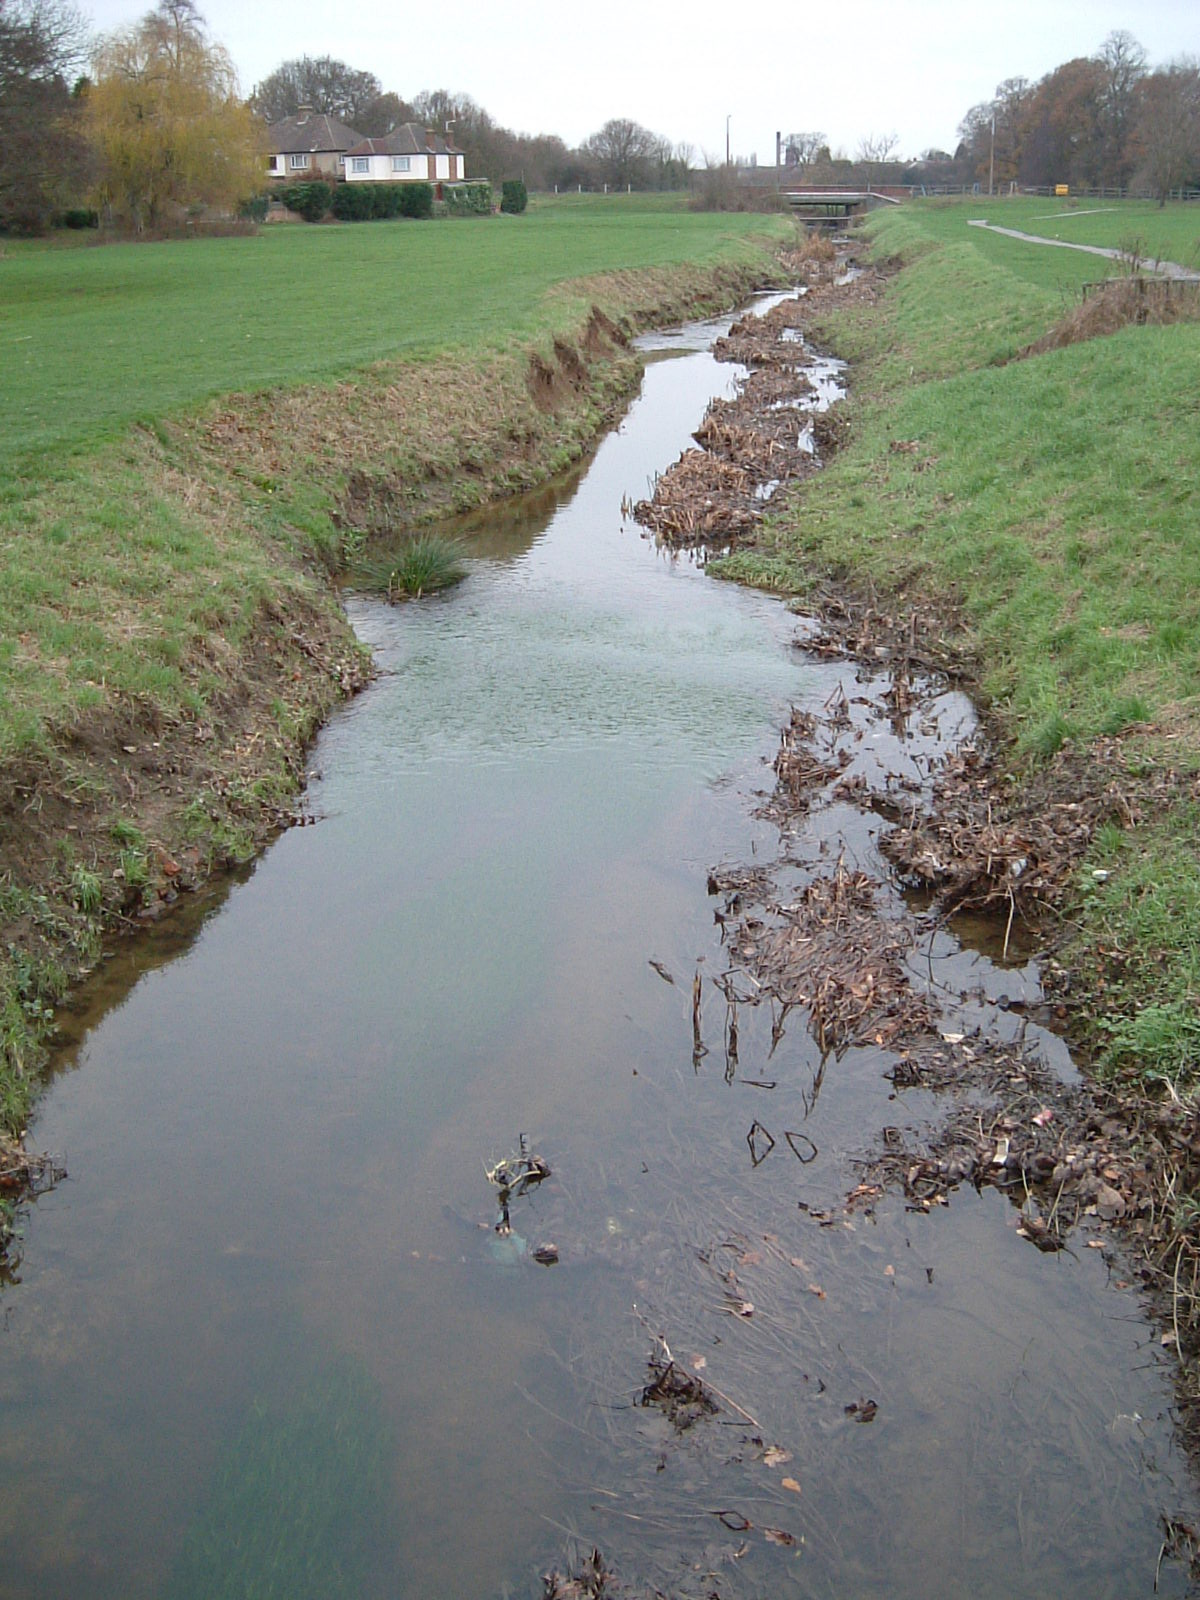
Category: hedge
[363,202]
[468,199]
[308,200]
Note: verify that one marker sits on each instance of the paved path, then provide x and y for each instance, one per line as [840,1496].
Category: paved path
[1156,269]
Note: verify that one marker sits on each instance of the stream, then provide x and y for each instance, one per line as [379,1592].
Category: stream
[265,1340]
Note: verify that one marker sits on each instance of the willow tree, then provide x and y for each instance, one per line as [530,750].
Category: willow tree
[166,121]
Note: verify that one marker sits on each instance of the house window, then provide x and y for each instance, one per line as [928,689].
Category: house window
[272,163]
[298,163]
[401,163]
[360,163]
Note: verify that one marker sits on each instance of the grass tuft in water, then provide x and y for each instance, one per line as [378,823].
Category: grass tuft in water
[422,565]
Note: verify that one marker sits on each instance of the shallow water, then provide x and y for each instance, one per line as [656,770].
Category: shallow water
[265,1341]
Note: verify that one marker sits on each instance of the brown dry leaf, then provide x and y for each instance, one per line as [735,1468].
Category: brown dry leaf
[745,1308]
[778,1536]
[815,1288]
[750,1258]
[790,1483]
[775,1457]
[699,1363]
[795,1261]
[889,1272]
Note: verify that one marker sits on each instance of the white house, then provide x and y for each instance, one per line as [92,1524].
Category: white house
[409,154]
[309,145]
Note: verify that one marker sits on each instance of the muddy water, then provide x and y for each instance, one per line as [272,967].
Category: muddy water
[265,1341]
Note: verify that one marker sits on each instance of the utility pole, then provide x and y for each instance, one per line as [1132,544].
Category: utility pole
[728,114]
[992,155]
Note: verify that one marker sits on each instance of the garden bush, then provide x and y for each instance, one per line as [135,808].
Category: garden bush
[353,202]
[254,209]
[514,196]
[469,199]
[308,200]
[362,202]
[416,199]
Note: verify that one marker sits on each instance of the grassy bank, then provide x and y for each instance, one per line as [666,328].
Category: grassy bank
[1051,502]
[200,435]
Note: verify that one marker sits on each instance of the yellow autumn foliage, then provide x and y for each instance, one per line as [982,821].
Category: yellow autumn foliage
[167,124]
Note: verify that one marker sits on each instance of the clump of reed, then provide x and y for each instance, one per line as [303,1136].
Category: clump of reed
[421,565]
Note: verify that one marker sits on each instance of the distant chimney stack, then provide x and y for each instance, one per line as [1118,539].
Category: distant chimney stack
[431,138]
[303,114]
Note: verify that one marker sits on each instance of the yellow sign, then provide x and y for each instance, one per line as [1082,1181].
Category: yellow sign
[1062,188]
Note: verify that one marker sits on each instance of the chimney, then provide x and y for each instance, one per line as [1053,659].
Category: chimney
[302,115]
[431,138]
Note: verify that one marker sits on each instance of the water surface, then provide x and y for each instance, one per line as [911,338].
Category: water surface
[265,1341]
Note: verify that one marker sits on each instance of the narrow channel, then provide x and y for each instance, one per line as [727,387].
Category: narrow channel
[265,1340]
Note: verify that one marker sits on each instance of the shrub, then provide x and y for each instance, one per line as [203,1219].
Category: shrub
[308,200]
[416,199]
[352,202]
[514,196]
[254,209]
[385,200]
[360,202]
[80,217]
[469,199]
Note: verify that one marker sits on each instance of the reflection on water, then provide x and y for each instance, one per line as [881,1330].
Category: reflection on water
[266,1343]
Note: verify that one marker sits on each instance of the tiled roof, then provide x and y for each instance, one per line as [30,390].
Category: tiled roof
[308,133]
[409,139]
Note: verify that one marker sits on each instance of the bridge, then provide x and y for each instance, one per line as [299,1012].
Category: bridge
[836,205]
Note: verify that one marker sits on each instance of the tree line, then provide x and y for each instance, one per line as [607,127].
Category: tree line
[622,153]
[148,121]
[1102,121]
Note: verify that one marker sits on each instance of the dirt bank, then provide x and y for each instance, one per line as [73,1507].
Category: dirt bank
[136,803]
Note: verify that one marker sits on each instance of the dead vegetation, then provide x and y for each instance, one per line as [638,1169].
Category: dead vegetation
[1118,303]
[775,431]
[832,952]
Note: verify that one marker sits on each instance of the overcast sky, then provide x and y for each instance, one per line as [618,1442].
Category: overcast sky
[848,68]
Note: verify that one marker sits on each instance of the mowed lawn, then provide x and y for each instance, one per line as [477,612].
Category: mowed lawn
[92,339]
[1169,233]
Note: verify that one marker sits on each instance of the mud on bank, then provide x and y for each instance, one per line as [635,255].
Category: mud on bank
[119,810]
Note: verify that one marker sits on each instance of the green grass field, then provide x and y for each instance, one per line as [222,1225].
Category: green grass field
[1057,500]
[96,540]
[1169,233]
[94,339]
[182,426]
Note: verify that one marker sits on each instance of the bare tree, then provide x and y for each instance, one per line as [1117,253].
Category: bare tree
[874,151]
[622,150]
[1124,63]
[43,44]
[800,150]
[1166,137]
[379,116]
[320,82]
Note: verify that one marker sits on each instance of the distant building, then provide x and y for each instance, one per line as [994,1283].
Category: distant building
[409,154]
[309,145]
